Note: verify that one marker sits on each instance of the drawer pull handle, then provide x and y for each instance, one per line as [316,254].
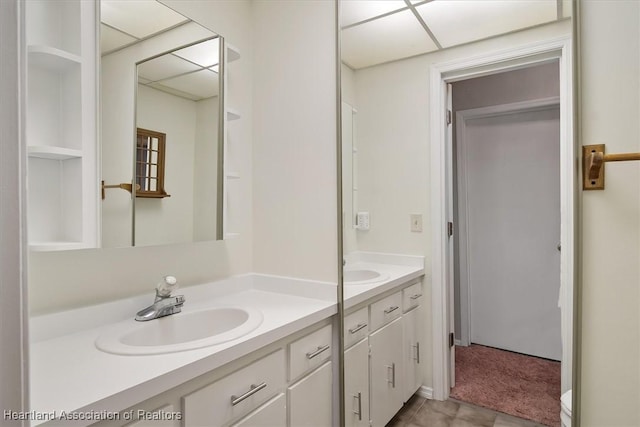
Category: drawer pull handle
[416,296]
[359,411]
[319,350]
[393,374]
[391,309]
[253,390]
[417,347]
[358,327]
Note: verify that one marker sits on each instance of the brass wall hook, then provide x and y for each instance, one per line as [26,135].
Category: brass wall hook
[124,186]
[593,161]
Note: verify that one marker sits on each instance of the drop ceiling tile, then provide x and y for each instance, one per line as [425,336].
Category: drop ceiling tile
[139,18]
[112,39]
[164,67]
[455,22]
[201,84]
[353,11]
[386,39]
[204,54]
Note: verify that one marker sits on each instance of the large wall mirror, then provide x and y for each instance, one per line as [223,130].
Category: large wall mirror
[161,126]
[393,108]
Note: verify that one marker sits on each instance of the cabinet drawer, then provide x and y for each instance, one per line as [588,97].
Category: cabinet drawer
[309,352]
[386,310]
[356,326]
[273,413]
[237,393]
[412,296]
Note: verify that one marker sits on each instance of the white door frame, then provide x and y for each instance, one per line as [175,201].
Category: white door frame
[447,72]
[462,227]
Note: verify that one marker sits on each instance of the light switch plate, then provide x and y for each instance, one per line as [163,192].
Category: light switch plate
[362,219]
[416,223]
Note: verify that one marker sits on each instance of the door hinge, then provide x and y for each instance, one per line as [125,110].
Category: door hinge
[450,228]
[449,114]
[452,340]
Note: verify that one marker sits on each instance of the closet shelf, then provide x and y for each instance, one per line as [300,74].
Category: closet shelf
[232,235]
[232,175]
[52,58]
[53,153]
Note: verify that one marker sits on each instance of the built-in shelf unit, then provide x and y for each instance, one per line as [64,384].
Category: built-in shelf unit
[232,190]
[61,124]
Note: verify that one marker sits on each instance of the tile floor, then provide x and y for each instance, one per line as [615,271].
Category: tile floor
[420,412]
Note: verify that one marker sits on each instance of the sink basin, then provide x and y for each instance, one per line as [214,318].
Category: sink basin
[363,277]
[188,330]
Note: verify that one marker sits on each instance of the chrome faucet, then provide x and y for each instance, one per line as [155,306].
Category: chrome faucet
[164,304]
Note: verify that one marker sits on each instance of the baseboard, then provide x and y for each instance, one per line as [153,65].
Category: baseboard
[426,392]
[458,342]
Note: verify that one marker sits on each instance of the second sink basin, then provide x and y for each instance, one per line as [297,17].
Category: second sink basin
[363,277]
[180,332]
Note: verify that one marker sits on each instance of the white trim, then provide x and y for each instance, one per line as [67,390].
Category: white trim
[426,392]
[447,72]
[14,356]
[463,221]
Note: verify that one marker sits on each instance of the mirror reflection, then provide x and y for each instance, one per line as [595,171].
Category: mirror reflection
[395,183]
[160,124]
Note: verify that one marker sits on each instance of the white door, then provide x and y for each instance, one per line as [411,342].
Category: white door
[356,385]
[512,179]
[386,373]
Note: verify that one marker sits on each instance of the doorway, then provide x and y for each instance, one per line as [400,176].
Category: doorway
[442,197]
[506,162]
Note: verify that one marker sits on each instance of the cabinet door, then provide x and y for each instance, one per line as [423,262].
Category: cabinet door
[271,414]
[386,372]
[413,354]
[310,399]
[356,385]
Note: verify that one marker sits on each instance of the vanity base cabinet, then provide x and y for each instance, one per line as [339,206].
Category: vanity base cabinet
[310,399]
[386,372]
[412,352]
[356,385]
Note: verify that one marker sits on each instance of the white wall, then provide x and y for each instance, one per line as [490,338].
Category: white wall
[204,171]
[294,134]
[393,151]
[76,278]
[610,103]
[169,219]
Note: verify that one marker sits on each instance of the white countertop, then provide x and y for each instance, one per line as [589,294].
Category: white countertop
[396,270]
[68,373]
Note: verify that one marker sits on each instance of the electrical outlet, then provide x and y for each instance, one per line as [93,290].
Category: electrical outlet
[416,223]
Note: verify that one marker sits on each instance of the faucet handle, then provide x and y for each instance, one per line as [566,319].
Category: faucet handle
[166,286]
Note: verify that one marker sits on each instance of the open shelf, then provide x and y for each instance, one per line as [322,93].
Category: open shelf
[233,54]
[52,58]
[56,246]
[53,153]
[232,114]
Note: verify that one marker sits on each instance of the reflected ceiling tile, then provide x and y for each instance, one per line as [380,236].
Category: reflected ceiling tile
[204,54]
[111,39]
[201,84]
[393,37]
[163,67]
[139,18]
[459,21]
[353,11]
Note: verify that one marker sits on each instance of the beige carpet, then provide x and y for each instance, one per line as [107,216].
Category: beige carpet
[516,384]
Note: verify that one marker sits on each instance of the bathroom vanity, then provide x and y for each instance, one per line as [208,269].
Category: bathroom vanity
[279,373]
